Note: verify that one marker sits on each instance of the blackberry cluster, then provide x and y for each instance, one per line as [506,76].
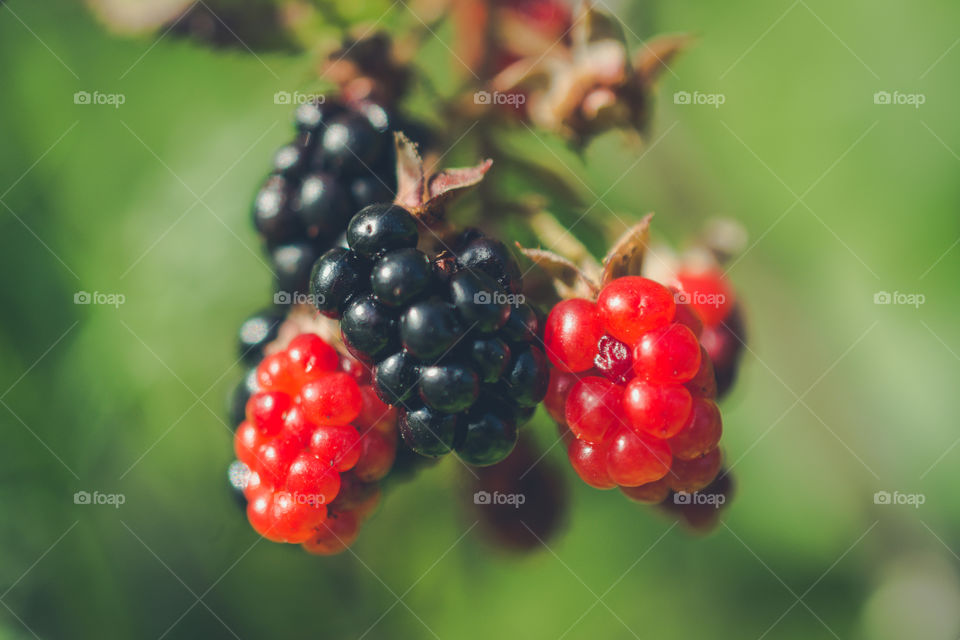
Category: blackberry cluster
[711,295]
[450,338]
[341,159]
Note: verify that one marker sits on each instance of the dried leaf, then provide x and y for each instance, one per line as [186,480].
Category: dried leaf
[564,273]
[626,256]
[445,184]
[594,25]
[425,195]
[410,178]
[657,53]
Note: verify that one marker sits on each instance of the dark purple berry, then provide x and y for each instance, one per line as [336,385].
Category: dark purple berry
[337,276]
[430,328]
[486,436]
[401,276]
[527,376]
[369,327]
[479,300]
[257,332]
[489,357]
[492,257]
[349,144]
[292,264]
[272,214]
[523,325]
[396,377]
[428,432]
[449,387]
[380,228]
[322,205]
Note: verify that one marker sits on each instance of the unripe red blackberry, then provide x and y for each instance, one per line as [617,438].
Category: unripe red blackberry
[312,447]
[712,298]
[451,344]
[635,388]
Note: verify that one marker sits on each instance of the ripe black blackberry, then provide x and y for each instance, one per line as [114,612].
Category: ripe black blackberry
[341,160]
[452,342]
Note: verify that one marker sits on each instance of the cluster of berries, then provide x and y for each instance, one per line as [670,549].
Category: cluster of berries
[709,293]
[635,389]
[450,339]
[314,444]
[340,160]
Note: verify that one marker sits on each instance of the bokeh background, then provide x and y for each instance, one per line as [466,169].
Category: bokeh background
[839,397]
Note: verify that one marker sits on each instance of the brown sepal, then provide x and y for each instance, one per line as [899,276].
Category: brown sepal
[569,279]
[625,258]
[657,53]
[425,194]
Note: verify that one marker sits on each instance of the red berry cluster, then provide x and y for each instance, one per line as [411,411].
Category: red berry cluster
[316,439]
[636,390]
[709,293]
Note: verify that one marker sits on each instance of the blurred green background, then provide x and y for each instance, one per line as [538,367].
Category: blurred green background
[839,397]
